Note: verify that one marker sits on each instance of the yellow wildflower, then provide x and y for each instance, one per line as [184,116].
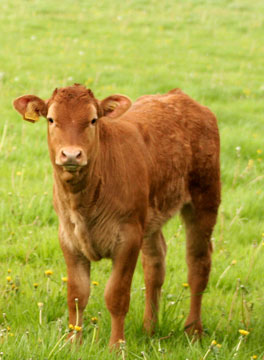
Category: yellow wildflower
[219,346]
[95,283]
[213,343]
[233,262]
[259,151]
[19,173]
[8,328]
[77,328]
[254,357]
[48,272]
[40,304]
[94,320]
[9,271]
[11,334]
[243,332]
[35,285]
[246,92]
[71,327]
[8,278]
[14,286]
[259,159]
[64,279]
[185,285]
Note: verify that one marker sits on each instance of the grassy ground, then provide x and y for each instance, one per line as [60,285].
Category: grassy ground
[214,51]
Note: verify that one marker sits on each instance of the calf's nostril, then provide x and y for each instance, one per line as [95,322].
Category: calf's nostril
[63,154]
[78,155]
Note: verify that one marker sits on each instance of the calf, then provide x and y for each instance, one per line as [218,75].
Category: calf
[121,170]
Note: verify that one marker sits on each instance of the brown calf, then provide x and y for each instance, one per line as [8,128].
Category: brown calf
[121,170]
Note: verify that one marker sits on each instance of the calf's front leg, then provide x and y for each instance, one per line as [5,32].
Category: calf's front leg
[78,269]
[117,291]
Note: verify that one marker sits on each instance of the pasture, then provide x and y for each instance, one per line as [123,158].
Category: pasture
[214,51]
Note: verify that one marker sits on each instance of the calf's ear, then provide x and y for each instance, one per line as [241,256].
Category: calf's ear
[30,107]
[115,105]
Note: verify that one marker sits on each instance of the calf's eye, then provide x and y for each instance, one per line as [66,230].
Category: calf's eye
[50,120]
[93,121]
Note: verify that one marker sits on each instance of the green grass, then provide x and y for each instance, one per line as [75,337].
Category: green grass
[214,51]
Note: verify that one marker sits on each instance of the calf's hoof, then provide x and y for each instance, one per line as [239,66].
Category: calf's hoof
[194,328]
[149,327]
[75,337]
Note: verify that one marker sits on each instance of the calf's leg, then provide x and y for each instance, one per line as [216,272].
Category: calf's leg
[117,291]
[78,269]
[199,226]
[153,261]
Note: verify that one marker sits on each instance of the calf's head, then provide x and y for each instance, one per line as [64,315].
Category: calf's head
[72,114]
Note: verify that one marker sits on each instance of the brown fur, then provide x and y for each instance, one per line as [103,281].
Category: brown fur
[137,167]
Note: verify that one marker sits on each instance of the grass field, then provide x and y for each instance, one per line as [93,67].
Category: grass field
[214,51]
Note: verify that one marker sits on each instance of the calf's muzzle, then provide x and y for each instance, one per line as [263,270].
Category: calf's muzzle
[71,158]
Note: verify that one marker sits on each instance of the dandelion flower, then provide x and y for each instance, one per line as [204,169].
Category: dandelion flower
[233,262]
[64,279]
[19,173]
[259,151]
[77,328]
[254,357]
[9,271]
[213,343]
[8,278]
[185,285]
[71,327]
[48,272]
[219,346]
[95,283]
[40,304]
[35,285]
[94,320]
[243,332]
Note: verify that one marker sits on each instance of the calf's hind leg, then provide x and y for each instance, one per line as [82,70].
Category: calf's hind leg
[153,261]
[199,227]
